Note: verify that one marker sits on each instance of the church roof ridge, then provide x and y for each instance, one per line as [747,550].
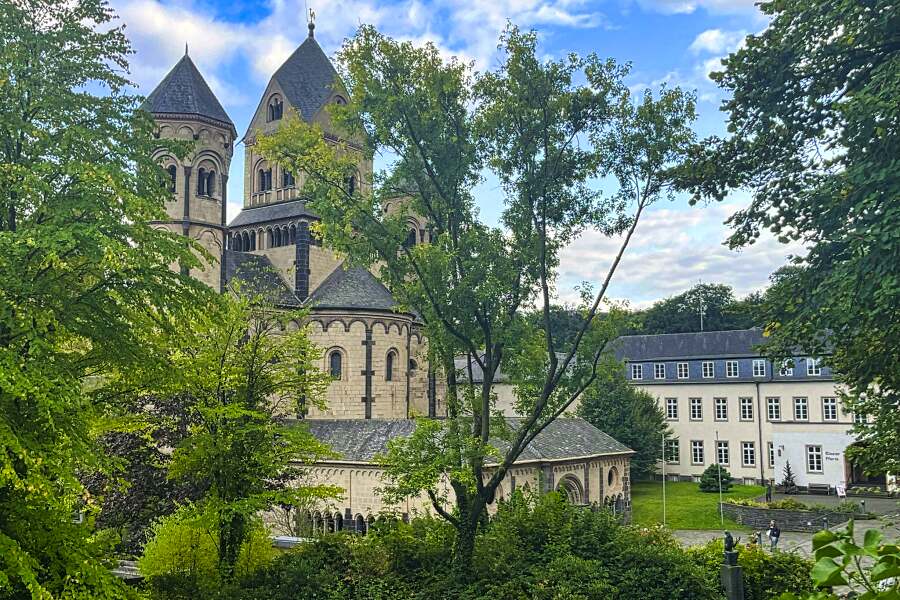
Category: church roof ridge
[184,91]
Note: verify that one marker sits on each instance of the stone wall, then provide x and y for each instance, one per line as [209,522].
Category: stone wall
[788,520]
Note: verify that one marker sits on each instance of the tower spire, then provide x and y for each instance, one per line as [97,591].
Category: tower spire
[311,23]
[185,49]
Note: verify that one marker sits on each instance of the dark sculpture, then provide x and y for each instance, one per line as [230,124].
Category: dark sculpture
[730,549]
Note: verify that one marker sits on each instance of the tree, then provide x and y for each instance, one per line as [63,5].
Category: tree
[815,131]
[546,138]
[709,480]
[630,415]
[788,482]
[238,372]
[82,273]
[681,313]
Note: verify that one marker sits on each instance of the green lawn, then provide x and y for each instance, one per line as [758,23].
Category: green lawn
[686,506]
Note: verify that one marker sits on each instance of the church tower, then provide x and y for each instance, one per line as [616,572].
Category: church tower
[186,109]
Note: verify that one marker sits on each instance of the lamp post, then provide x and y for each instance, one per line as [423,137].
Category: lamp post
[664,477]
[719,476]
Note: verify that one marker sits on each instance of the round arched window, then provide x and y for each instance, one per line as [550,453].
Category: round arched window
[612,477]
[335,366]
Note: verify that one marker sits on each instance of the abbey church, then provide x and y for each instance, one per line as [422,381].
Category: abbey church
[375,353]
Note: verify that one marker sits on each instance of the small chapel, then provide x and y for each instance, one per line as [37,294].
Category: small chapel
[375,352]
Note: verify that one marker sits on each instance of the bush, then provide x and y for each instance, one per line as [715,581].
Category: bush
[765,575]
[540,548]
[181,558]
[709,480]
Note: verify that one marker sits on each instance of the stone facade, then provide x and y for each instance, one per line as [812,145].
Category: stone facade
[376,353]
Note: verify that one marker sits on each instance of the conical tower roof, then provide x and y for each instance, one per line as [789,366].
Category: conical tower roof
[184,92]
[307,77]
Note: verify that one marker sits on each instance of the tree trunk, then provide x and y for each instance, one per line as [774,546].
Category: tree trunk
[465,547]
[231,535]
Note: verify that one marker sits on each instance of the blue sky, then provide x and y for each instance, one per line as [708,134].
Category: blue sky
[238,44]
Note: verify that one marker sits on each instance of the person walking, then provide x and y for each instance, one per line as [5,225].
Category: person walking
[774,533]
[769,491]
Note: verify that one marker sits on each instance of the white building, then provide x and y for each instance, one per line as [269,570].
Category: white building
[728,404]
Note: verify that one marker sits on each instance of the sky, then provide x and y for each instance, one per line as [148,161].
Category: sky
[238,45]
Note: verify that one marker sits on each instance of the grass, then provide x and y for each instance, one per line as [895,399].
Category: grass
[686,506]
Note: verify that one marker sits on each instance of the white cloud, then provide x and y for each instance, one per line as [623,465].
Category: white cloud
[689,6]
[716,41]
[671,251]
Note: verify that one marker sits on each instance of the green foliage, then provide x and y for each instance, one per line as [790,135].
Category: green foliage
[182,553]
[82,275]
[788,481]
[713,477]
[870,570]
[230,376]
[766,575]
[630,415]
[548,130]
[681,313]
[815,127]
[540,548]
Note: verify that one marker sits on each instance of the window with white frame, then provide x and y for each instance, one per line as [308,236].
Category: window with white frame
[814,459]
[731,368]
[860,418]
[801,409]
[721,406]
[746,409]
[637,371]
[673,451]
[697,452]
[709,369]
[748,454]
[829,409]
[659,371]
[813,366]
[722,454]
[771,448]
[759,367]
[773,408]
[672,408]
[787,368]
[696,409]
[683,371]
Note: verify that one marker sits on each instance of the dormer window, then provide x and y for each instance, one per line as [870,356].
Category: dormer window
[340,100]
[275,109]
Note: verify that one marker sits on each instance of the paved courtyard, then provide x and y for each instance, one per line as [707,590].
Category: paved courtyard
[792,541]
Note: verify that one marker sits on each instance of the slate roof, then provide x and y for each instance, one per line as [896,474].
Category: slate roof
[707,344]
[184,91]
[307,78]
[352,288]
[359,440]
[462,366]
[258,277]
[271,212]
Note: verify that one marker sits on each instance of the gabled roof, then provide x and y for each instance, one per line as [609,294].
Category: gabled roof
[706,344]
[258,278]
[184,92]
[359,440]
[352,288]
[307,78]
[271,213]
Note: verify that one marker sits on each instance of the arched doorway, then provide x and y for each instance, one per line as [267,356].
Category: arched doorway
[572,489]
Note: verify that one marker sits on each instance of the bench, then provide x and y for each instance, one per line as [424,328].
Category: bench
[819,488]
